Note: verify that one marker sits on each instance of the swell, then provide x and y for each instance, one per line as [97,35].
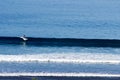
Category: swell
[61,42]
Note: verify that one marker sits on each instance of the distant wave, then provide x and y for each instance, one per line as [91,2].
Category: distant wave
[64,58]
[62,42]
[62,74]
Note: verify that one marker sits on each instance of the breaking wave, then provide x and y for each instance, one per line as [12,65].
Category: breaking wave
[62,74]
[64,58]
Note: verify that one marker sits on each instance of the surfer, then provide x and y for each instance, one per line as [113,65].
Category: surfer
[24,38]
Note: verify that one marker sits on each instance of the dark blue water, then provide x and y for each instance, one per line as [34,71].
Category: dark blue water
[58,78]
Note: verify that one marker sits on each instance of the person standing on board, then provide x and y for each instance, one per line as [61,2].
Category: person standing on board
[24,38]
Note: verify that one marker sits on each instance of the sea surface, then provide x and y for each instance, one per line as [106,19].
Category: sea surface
[89,19]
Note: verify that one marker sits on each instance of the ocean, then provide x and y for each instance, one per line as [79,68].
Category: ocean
[86,19]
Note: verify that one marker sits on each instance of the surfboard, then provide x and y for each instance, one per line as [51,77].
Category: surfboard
[24,38]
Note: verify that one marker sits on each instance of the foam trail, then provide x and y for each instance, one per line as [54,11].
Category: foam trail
[62,57]
[62,74]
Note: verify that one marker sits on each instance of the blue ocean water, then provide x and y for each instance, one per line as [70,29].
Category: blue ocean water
[98,19]
[69,18]
[62,60]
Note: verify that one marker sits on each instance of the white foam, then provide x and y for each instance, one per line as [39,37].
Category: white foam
[66,58]
[62,74]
